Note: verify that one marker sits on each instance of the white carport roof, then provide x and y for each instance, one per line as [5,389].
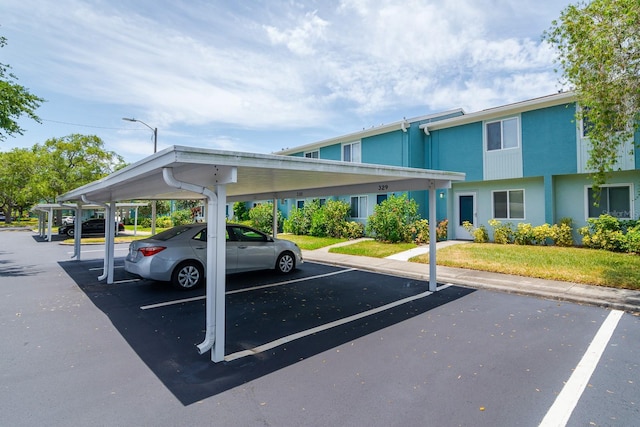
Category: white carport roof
[219,176]
[257,177]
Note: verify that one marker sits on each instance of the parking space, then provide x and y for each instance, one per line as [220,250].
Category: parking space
[272,320]
[322,346]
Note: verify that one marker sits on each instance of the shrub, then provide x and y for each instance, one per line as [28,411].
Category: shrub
[392,219]
[524,234]
[296,222]
[479,234]
[240,211]
[633,239]
[542,233]
[144,222]
[353,230]
[502,233]
[261,217]
[420,231]
[336,215]
[604,232]
[318,226]
[182,217]
[442,230]
[562,233]
[164,222]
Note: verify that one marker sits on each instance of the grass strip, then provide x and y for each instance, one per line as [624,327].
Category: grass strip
[578,265]
[373,248]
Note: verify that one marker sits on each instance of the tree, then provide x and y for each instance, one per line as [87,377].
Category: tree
[70,162]
[15,101]
[16,175]
[598,46]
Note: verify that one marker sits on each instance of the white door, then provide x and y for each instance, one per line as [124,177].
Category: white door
[465,210]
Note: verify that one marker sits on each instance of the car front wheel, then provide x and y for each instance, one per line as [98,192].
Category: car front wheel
[70,232]
[286,263]
[188,275]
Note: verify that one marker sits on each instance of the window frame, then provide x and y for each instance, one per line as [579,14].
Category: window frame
[501,121]
[588,201]
[509,215]
[361,199]
[310,154]
[351,156]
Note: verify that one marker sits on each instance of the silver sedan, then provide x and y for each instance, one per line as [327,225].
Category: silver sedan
[179,254]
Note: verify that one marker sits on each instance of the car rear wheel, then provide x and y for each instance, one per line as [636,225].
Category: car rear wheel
[188,275]
[286,263]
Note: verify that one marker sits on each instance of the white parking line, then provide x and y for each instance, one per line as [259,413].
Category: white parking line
[302,334]
[560,412]
[303,279]
[126,281]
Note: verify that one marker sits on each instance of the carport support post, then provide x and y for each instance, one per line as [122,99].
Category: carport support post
[49,224]
[433,283]
[110,220]
[275,218]
[77,227]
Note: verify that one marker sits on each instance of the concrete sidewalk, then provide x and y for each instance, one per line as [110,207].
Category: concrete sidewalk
[621,299]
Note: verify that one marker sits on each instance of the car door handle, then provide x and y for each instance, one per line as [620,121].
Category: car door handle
[242,247]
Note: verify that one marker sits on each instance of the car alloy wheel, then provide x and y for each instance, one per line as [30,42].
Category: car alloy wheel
[188,275]
[286,262]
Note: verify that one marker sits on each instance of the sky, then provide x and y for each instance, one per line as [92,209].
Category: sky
[266,75]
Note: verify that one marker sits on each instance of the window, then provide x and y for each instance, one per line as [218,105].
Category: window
[351,152]
[312,154]
[615,200]
[359,207]
[502,134]
[586,124]
[508,204]
[300,204]
[380,198]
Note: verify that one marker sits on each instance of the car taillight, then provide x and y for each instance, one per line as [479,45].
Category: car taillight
[151,250]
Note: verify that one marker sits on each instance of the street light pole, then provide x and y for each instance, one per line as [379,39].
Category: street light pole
[155,150]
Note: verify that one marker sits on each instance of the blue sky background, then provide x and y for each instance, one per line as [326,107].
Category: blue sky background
[261,76]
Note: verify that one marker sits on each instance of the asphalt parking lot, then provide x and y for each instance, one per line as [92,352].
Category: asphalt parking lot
[324,346]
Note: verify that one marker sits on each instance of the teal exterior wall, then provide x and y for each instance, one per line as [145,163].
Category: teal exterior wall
[549,147]
[332,152]
[457,149]
[549,141]
[417,144]
[386,149]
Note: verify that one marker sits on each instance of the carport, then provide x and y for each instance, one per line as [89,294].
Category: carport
[222,176]
[45,216]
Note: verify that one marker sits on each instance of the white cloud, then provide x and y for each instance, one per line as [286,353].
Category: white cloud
[300,39]
[282,65]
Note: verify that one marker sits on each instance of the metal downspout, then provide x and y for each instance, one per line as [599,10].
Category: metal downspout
[213,246]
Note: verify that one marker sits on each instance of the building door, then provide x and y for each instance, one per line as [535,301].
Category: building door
[465,209]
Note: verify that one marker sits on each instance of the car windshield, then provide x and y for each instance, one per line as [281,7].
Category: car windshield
[171,233]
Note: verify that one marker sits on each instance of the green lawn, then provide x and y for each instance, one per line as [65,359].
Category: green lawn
[310,242]
[373,248]
[588,266]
